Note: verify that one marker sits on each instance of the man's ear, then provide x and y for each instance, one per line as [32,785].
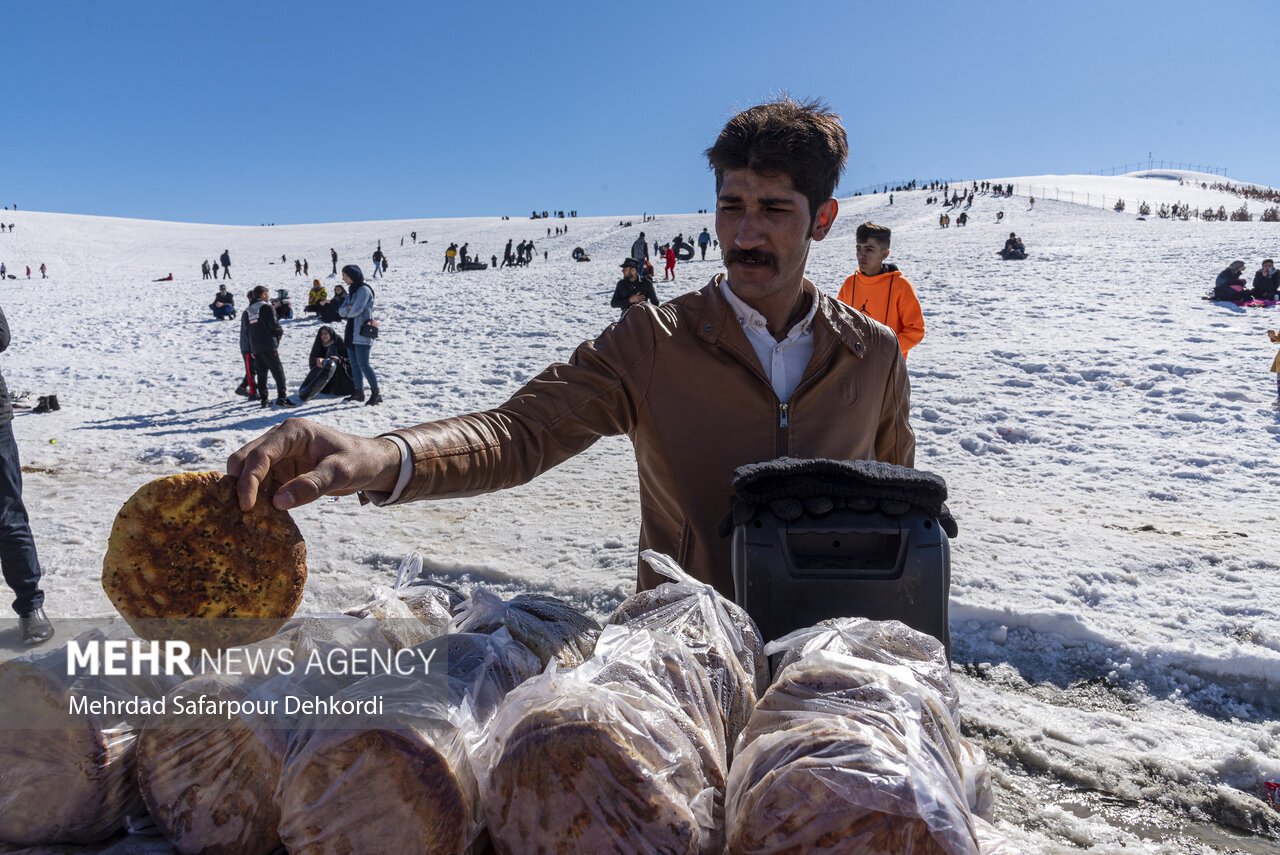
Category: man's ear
[825,218]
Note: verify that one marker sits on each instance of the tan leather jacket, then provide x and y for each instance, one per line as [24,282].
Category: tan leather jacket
[682,381]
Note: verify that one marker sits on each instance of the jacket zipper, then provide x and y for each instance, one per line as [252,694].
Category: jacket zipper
[783,424]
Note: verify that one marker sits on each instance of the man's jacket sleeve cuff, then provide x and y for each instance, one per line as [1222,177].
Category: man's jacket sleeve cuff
[406,473]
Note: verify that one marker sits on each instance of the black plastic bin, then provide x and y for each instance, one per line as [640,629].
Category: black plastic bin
[789,575]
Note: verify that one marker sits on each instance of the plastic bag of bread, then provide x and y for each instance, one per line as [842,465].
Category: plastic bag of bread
[617,755]
[721,635]
[826,684]
[399,779]
[209,779]
[840,785]
[399,623]
[432,602]
[483,669]
[889,641]
[210,784]
[67,771]
[551,628]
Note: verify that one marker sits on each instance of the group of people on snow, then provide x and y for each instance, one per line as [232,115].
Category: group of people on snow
[1231,285]
[344,360]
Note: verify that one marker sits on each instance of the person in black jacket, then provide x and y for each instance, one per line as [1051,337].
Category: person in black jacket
[328,347]
[18,558]
[1266,282]
[225,258]
[224,304]
[631,289]
[1230,284]
[265,333]
[329,308]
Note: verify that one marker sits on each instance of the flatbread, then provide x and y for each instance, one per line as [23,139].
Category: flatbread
[59,785]
[181,547]
[211,788]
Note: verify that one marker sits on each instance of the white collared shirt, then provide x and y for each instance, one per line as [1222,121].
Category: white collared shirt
[783,361]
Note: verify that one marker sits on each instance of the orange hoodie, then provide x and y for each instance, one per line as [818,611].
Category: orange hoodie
[888,298]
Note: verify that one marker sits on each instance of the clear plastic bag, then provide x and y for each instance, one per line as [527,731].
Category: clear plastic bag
[574,765]
[210,787]
[889,641]
[401,779]
[431,602]
[844,785]
[824,684]
[721,636]
[992,842]
[67,775]
[402,788]
[551,628]
[899,659]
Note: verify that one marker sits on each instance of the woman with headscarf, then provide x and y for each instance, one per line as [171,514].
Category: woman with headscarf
[328,359]
[358,310]
[329,308]
[316,297]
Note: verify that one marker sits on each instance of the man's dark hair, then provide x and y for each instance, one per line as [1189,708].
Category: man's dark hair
[803,141]
[870,231]
[260,291]
[1267,261]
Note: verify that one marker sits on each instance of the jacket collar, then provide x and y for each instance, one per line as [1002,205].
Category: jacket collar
[717,325]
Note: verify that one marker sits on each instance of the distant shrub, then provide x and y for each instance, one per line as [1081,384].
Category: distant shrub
[1241,214]
[1271,215]
[1163,211]
[1119,205]
[1143,209]
[1222,214]
[1185,213]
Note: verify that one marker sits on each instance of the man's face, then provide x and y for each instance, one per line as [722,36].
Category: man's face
[1266,268]
[871,256]
[763,224]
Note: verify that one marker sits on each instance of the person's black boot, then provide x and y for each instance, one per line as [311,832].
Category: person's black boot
[375,397]
[42,405]
[53,402]
[358,396]
[242,389]
[285,402]
[36,628]
[265,403]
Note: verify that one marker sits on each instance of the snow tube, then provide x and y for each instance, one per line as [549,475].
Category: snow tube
[317,379]
[473,265]
[580,254]
[684,251]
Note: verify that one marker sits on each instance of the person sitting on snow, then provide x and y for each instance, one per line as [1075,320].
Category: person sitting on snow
[1266,282]
[1230,285]
[328,348]
[224,304]
[316,297]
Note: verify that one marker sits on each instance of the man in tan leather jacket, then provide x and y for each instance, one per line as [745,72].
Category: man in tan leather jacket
[756,365]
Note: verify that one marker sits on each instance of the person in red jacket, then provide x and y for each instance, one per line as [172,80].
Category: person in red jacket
[880,291]
[670,255]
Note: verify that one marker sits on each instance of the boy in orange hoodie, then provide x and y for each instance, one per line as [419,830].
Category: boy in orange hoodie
[880,291]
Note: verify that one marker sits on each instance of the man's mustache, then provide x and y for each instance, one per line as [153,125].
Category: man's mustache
[751,256]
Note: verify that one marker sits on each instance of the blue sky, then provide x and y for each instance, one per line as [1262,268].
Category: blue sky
[249,112]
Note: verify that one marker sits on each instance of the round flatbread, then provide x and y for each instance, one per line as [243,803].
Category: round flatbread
[181,547]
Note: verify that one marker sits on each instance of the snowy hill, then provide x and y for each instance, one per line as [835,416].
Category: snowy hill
[1107,437]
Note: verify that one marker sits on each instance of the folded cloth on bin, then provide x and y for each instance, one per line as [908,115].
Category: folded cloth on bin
[792,487]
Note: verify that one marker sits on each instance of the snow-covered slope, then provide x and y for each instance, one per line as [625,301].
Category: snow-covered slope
[1106,434]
